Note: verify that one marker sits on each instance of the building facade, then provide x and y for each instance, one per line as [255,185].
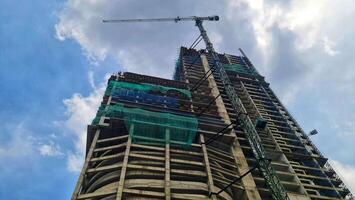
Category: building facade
[155,138]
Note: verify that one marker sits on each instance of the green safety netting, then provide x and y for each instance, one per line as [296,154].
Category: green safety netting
[151,127]
[145,87]
[238,68]
[178,65]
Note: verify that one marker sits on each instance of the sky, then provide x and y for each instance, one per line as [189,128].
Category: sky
[55,57]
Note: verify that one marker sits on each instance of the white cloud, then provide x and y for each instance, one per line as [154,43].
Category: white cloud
[75,162]
[329,47]
[18,153]
[346,173]
[263,16]
[91,79]
[20,145]
[51,150]
[80,111]
[23,146]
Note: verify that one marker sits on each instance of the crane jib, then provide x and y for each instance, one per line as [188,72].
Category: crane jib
[176,19]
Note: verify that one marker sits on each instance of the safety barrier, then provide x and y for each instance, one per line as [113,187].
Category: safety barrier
[155,128]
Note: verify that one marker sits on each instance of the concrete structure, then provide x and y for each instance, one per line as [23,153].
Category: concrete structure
[126,161]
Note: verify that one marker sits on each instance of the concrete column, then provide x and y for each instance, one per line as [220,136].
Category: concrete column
[167,164]
[208,168]
[124,165]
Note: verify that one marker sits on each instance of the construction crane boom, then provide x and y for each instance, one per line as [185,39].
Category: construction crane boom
[168,19]
[264,164]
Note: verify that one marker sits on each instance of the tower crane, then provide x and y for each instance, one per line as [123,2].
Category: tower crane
[263,163]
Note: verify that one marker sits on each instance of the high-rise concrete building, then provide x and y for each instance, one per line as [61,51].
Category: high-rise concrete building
[155,138]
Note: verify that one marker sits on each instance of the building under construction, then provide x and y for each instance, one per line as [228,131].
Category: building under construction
[154,138]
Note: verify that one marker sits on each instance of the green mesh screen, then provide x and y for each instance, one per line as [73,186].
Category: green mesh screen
[178,65]
[142,87]
[99,113]
[152,127]
[238,68]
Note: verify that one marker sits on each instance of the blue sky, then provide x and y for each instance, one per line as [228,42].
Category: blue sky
[55,55]
[37,72]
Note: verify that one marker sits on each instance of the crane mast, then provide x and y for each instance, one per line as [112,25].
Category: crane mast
[263,163]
